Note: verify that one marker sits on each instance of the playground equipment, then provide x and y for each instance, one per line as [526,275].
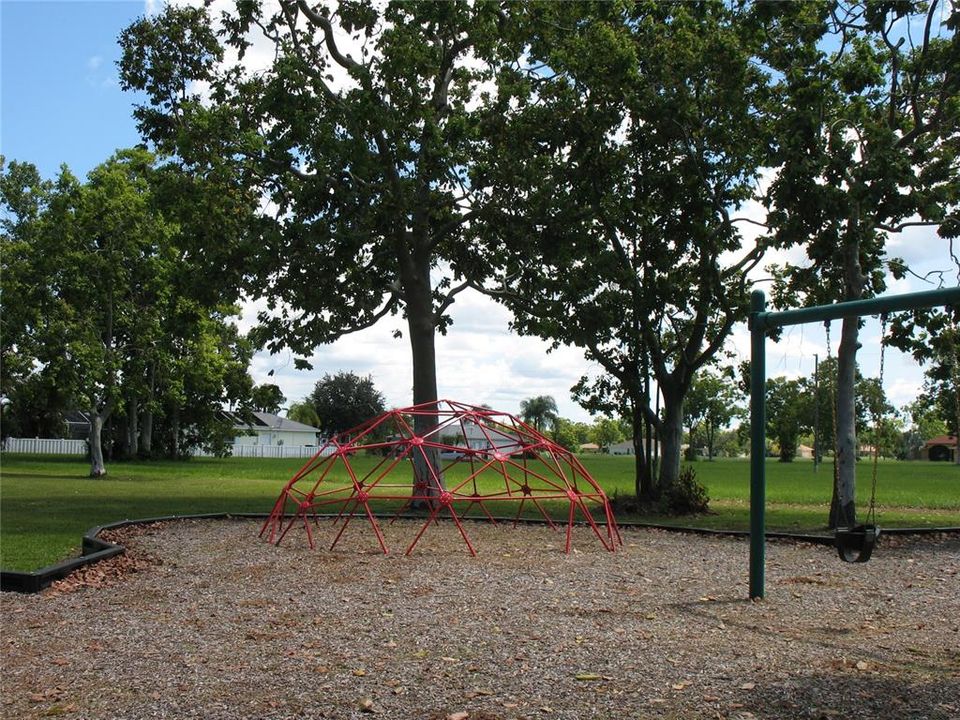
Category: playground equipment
[852,543]
[471,457]
[856,543]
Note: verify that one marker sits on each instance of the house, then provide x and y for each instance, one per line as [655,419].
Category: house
[805,452]
[621,448]
[589,448]
[942,448]
[262,428]
[482,437]
[626,447]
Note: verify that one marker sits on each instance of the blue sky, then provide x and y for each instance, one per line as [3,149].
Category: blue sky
[59,88]
[62,103]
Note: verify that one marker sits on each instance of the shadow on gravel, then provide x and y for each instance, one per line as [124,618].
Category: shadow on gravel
[849,692]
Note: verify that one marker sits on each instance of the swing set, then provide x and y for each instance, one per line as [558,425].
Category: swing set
[856,543]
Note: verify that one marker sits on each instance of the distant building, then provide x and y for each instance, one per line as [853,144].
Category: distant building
[268,429]
[805,452]
[626,448]
[942,448]
[621,448]
[482,438]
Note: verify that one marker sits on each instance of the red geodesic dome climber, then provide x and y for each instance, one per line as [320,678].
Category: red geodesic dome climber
[471,457]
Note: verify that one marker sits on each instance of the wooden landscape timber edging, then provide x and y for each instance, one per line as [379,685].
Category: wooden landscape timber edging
[94,549]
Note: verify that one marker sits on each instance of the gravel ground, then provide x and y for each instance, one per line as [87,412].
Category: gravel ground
[203,619]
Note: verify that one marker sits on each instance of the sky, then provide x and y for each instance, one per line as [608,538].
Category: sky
[61,103]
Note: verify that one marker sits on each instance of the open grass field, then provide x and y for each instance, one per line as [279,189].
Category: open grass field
[47,503]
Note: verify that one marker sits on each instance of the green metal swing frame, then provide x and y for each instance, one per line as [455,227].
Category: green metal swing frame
[761,322]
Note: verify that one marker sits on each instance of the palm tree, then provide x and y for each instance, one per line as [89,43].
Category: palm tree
[304,412]
[539,411]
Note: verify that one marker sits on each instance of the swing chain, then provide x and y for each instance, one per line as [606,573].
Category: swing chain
[872,512]
[953,313]
[833,408]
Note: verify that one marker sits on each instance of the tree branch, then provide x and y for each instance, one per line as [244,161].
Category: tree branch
[309,62]
[450,298]
[344,61]
[901,226]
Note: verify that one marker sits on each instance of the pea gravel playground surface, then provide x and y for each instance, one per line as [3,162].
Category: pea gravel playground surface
[202,619]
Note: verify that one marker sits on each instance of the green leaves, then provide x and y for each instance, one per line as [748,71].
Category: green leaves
[622,149]
[129,297]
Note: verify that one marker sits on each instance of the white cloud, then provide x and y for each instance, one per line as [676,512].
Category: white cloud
[479,361]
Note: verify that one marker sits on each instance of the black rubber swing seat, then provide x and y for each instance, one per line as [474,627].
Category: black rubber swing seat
[856,544]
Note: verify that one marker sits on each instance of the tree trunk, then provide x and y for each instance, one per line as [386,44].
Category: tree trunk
[146,432]
[843,508]
[639,465]
[671,437]
[175,434]
[643,448]
[133,427]
[955,377]
[97,467]
[428,478]
[146,429]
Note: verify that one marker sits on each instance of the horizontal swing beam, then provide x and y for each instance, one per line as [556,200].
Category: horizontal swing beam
[760,322]
[873,306]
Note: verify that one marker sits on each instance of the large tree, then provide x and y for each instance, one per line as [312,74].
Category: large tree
[709,407]
[620,150]
[34,400]
[867,141]
[102,308]
[357,134]
[94,253]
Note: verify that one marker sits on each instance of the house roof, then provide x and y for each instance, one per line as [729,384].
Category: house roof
[948,440]
[269,421]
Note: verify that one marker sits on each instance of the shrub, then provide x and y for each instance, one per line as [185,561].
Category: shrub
[687,497]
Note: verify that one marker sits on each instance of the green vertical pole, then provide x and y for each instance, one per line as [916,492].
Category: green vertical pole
[758,444]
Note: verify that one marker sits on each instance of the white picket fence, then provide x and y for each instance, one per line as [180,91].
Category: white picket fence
[271,451]
[48,446]
[45,446]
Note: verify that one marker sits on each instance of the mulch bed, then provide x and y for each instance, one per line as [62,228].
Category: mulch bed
[203,619]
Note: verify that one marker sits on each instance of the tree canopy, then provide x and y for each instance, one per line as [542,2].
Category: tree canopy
[344,400]
[267,398]
[539,411]
[111,319]
[620,152]
[358,134]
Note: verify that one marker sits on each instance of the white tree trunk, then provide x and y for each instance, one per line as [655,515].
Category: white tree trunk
[97,468]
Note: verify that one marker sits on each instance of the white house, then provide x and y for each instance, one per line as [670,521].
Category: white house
[482,437]
[269,429]
[625,448]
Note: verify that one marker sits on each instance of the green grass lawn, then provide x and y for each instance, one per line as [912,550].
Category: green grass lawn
[47,503]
